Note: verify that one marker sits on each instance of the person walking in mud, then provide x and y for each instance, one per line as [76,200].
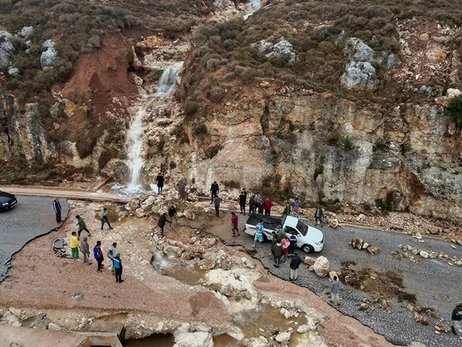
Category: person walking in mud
[82,226]
[85,249]
[161,223]
[160,182]
[234,224]
[334,291]
[118,268]
[98,255]
[111,253]
[216,203]
[182,190]
[243,200]
[214,189]
[104,219]
[57,208]
[318,216]
[74,245]
[172,214]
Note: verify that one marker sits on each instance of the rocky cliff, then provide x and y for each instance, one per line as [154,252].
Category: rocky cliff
[327,101]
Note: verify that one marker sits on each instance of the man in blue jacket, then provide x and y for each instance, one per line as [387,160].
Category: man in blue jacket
[57,208]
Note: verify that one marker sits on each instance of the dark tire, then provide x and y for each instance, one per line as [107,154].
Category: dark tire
[307,249]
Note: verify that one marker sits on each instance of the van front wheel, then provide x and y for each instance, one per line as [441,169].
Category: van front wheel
[307,249]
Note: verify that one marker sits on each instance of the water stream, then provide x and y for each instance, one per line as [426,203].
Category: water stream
[166,85]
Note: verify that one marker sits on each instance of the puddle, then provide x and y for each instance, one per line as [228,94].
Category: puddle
[157,340]
[181,271]
[28,322]
[112,215]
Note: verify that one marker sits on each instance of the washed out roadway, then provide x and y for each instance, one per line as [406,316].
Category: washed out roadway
[33,216]
[435,283]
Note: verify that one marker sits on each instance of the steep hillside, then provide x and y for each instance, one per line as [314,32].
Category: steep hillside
[331,101]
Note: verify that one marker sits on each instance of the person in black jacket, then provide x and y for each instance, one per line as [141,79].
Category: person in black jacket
[294,265]
[57,208]
[457,320]
[242,200]
[214,189]
[161,223]
[160,182]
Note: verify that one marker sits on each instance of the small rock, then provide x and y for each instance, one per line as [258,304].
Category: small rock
[441,327]
[283,337]
[264,84]
[53,326]
[373,250]
[364,306]
[424,254]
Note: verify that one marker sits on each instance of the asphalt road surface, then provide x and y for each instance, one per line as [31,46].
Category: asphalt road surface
[33,216]
[435,283]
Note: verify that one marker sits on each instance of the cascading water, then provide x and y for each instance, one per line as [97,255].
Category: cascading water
[166,85]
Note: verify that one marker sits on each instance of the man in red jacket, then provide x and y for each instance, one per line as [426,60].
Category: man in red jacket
[234,223]
[267,204]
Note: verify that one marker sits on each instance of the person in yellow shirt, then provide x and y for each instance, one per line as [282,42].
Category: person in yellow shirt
[74,244]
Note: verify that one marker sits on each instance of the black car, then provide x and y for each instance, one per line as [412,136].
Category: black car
[7,201]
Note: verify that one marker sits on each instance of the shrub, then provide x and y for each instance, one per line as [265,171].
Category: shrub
[454,111]
[190,108]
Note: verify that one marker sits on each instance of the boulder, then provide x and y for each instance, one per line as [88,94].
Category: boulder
[452,92]
[53,326]
[442,327]
[332,274]
[357,50]
[321,266]
[13,71]
[420,319]
[146,204]
[359,75]
[433,230]
[310,326]
[49,53]
[208,242]
[424,254]
[357,243]
[283,336]
[373,250]
[247,263]
[309,261]
[26,31]
[256,342]
[207,264]
[173,250]
[283,50]
[193,339]
[360,218]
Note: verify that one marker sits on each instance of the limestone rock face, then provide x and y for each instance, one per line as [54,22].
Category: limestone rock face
[6,49]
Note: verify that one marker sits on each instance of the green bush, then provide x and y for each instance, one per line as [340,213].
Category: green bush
[190,108]
[454,110]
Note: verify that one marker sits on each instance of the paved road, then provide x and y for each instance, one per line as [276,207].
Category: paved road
[435,282]
[33,216]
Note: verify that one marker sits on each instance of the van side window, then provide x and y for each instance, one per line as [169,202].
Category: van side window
[292,231]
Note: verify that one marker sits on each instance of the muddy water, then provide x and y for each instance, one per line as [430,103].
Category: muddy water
[157,340]
[111,215]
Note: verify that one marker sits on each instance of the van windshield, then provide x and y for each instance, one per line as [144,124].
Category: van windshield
[302,227]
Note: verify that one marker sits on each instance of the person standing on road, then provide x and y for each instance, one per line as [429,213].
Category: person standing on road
[287,209]
[457,320]
[234,224]
[280,233]
[57,208]
[243,200]
[296,206]
[85,249]
[82,226]
[285,248]
[182,190]
[294,265]
[277,251]
[172,214]
[98,255]
[334,290]
[318,216]
[214,189]
[161,223]
[216,202]
[104,219]
[258,233]
[293,244]
[252,204]
[259,203]
[267,204]
[74,244]
[160,182]
[118,268]
[111,253]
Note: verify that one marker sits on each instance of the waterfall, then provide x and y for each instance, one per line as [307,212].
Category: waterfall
[158,261]
[166,85]
[167,82]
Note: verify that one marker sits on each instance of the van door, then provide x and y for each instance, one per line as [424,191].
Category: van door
[299,236]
